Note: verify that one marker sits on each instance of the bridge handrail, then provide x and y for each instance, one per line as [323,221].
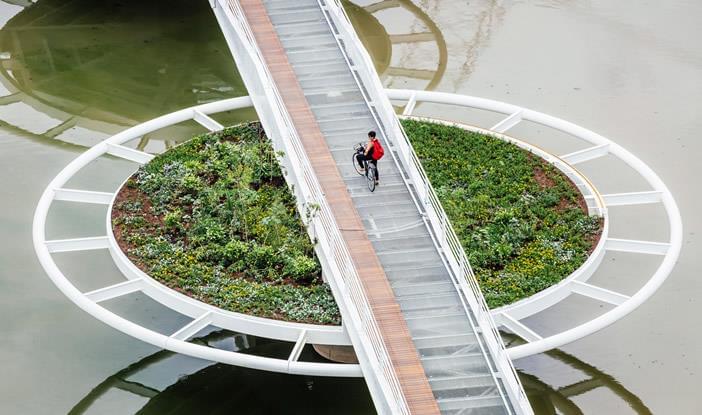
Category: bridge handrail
[343,277]
[438,219]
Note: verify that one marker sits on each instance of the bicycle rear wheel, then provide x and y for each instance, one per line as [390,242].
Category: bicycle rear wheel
[355,164]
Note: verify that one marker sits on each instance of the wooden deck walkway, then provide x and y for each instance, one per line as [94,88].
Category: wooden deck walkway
[385,308]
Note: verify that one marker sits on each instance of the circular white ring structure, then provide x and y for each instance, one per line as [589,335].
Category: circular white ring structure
[204,315]
[510,315]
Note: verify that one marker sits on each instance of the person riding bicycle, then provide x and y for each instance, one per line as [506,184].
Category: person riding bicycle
[373,151]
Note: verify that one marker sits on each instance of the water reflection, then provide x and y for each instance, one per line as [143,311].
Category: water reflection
[547,399]
[550,399]
[165,382]
[86,66]
[122,61]
[417,50]
[72,69]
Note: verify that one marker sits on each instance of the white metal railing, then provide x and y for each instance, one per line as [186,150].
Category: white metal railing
[438,220]
[342,275]
[555,294]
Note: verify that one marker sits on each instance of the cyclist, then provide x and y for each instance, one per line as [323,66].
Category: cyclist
[373,151]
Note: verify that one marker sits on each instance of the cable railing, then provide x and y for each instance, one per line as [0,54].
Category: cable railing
[342,274]
[444,232]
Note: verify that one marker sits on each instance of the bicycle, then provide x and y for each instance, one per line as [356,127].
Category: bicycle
[369,168]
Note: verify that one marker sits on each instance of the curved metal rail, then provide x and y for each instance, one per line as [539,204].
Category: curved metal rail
[510,316]
[202,314]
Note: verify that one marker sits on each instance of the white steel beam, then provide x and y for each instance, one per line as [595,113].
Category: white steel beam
[193,327]
[632,198]
[509,122]
[83,196]
[598,293]
[78,244]
[206,121]
[587,154]
[516,327]
[411,103]
[638,247]
[299,345]
[129,153]
[116,290]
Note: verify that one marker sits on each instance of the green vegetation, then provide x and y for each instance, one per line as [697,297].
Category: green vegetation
[522,223]
[214,219]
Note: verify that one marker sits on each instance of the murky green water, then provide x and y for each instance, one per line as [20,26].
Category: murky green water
[72,72]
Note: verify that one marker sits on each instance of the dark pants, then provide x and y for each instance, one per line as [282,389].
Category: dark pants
[361,157]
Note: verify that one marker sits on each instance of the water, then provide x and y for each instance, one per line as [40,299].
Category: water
[75,72]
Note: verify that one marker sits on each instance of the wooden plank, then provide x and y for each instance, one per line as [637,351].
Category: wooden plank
[386,310]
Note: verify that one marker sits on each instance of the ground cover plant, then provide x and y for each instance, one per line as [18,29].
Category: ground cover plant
[523,224]
[214,219]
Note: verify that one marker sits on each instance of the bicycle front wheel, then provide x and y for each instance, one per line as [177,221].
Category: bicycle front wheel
[370,177]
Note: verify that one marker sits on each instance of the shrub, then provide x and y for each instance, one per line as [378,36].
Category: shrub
[300,267]
[213,218]
[518,218]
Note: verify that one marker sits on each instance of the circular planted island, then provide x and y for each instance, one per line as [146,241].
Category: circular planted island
[213,219]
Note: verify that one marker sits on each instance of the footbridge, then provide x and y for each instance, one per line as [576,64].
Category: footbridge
[411,308]
[424,337]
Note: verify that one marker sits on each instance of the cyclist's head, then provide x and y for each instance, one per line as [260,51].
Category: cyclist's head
[371,134]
